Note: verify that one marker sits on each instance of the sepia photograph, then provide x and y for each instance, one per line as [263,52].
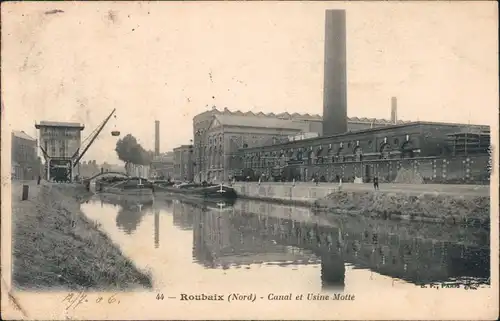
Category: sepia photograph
[249,160]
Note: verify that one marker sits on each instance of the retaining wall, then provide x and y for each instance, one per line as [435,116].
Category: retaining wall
[300,193]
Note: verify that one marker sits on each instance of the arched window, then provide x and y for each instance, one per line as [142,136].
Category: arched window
[358,154]
[385,151]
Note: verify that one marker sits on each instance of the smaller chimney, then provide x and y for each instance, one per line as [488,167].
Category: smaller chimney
[394,110]
[157,137]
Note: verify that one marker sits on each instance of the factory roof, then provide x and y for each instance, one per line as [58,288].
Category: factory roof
[284,115]
[22,134]
[484,128]
[376,120]
[182,147]
[59,124]
[293,116]
[257,122]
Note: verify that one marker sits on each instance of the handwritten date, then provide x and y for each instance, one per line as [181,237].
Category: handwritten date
[73,300]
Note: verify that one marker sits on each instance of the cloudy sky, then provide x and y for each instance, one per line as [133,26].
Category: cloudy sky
[169,61]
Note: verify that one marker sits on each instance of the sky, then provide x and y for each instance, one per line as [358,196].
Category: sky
[169,61]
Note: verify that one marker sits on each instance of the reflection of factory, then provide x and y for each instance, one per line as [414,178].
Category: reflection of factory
[235,236]
[183,215]
[412,259]
[216,243]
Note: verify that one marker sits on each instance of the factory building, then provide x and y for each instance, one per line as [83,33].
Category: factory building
[350,150]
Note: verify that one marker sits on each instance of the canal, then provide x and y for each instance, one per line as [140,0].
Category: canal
[266,248]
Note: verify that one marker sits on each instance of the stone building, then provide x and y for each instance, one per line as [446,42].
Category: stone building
[183,163]
[25,163]
[363,154]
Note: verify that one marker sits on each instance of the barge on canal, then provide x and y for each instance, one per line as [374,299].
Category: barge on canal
[134,189]
[192,190]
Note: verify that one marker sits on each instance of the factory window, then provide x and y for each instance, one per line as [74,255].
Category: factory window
[53,147]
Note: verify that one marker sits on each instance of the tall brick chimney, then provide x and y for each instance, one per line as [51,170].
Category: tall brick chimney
[157,137]
[335,74]
[394,110]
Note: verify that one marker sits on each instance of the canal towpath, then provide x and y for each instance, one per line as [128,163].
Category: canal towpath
[427,202]
[55,246]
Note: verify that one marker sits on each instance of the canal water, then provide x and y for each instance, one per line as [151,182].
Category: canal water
[265,248]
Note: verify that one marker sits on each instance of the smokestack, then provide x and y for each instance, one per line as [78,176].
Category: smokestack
[394,110]
[335,74]
[157,138]
[157,229]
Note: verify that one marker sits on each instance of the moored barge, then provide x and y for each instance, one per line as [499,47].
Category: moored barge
[211,192]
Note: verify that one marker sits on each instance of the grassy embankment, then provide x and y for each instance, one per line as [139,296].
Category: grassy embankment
[427,207]
[55,246]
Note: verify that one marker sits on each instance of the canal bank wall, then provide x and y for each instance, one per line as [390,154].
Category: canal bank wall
[455,204]
[55,246]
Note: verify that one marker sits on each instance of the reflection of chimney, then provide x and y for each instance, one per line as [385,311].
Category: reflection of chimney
[157,137]
[335,74]
[157,229]
[394,110]
[332,272]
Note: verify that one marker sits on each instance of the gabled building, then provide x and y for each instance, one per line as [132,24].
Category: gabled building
[25,163]
[215,148]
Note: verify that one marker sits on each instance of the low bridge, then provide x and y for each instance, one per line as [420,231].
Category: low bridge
[87,181]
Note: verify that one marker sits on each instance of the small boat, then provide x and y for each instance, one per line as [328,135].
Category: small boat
[213,192]
[134,189]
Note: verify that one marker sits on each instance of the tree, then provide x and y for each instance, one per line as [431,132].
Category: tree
[130,151]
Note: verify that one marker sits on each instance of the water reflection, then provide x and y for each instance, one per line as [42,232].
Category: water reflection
[130,215]
[253,233]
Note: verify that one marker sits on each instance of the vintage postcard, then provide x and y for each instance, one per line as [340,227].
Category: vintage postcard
[249,160]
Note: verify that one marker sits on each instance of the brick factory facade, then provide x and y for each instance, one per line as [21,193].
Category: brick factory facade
[183,163]
[377,152]
[218,135]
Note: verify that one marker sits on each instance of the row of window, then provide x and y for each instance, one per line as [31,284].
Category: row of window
[63,148]
[52,132]
[385,145]
[263,162]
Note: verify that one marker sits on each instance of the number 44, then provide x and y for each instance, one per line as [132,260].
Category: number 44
[159,296]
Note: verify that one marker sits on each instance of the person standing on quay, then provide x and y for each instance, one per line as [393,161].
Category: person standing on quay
[375,183]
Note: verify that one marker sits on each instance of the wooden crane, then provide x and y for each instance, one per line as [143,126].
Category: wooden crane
[97,131]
